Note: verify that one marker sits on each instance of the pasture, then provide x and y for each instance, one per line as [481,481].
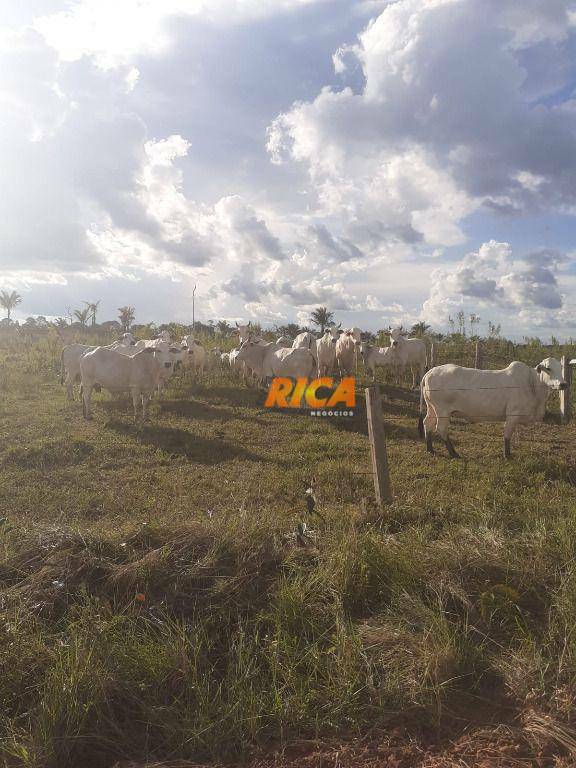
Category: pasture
[157,606]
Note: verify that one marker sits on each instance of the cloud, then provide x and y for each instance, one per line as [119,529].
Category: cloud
[250,236]
[116,33]
[288,153]
[444,122]
[492,278]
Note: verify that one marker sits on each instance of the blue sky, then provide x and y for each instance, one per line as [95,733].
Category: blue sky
[395,161]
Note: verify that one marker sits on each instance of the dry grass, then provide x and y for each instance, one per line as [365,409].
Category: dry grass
[155,605]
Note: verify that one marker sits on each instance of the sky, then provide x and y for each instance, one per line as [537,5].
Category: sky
[393,160]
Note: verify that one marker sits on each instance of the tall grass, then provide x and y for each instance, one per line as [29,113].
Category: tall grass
[155,606]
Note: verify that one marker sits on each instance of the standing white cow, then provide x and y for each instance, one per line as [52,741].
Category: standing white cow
[346,350]
[196,354]
[326,351]
[408,353]
[138,374]
[213,359]
[305,340]
[267,361]
[171,353]
[515,395]
[376,357]
[72,353]
[244,332]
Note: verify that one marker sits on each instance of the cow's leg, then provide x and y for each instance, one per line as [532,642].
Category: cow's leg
[86,394]
[135,402]
[442,429]
[69,388]
[145,399]
[429,421]
[509,428]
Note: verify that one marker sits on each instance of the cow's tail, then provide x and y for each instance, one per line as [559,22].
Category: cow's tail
[421,413]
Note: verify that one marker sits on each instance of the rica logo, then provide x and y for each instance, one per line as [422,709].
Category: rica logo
[285,393]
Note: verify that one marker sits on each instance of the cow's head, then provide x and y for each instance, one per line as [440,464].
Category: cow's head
[332,333]
[396,334]
[243,331]
[550,373]
[364,347]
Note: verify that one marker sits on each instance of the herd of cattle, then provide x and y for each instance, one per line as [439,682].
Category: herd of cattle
[514,395]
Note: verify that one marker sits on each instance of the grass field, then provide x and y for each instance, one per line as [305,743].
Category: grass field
[156,605]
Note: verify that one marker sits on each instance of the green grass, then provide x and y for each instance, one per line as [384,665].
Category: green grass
[156,606]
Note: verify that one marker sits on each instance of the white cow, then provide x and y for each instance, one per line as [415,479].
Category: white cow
[515,395]
[346,349]
[267,361]
[305,340]
[140,374]
[326,351]
[196,354]
[408,353]
[376,357]
[213,358]
[356,334]
[171,353]
[244,332]
[70,360]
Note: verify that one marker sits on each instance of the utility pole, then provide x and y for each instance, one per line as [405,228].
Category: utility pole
[193,309]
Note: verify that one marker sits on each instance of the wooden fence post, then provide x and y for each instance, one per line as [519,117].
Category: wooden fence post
[566,394]
[432,355]
[478,356]
[378,446]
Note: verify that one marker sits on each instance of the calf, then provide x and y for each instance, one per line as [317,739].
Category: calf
[196,355]
[408,353]
[374,357]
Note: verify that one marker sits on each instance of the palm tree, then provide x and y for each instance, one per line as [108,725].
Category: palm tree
[321,317]
[82,316]
[9,300]
[126,317]
[419,329]
[92,307]
[290,329]
[223,328]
